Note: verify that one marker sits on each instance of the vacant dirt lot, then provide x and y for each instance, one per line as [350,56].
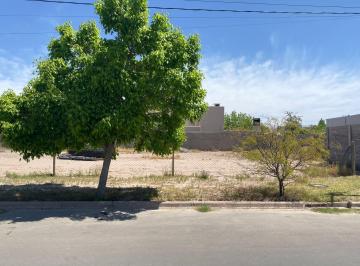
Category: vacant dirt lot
[129,164]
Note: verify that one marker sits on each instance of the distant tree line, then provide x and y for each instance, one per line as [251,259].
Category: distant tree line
[238,121]
[242,121]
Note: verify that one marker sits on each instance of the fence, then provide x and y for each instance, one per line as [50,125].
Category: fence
[130,164]
[344,145]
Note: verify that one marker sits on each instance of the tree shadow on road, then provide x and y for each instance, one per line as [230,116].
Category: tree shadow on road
[75,203]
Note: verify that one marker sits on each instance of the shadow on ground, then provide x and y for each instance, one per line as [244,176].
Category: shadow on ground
[59,192]
[118,213]
[121,211]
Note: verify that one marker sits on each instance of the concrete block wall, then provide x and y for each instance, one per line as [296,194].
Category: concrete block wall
[338,142]
[340,133]
[218,141]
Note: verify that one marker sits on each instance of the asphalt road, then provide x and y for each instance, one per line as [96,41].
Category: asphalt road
[178,237]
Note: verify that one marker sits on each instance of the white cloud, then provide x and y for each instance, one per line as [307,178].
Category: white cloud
[261,87]
[266,89]
[14,73]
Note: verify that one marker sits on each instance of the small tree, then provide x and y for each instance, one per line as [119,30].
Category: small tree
[238,121]
[281,148]
[36,123]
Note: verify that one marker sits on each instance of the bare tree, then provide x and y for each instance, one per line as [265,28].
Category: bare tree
[282,147]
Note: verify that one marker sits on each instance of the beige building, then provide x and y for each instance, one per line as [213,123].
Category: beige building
[211,122]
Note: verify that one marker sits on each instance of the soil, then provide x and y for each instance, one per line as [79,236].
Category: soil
[129,164]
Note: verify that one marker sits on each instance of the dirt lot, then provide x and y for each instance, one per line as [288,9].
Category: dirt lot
[141,176]
[129,164]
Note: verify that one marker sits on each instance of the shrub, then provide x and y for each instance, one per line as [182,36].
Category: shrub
[203,175]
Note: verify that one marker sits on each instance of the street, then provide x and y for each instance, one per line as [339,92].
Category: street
[178,237]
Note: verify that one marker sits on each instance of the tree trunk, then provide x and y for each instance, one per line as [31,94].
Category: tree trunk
[54,165]
[109,151]
[281,189]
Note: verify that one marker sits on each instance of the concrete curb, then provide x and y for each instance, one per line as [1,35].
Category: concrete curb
[152,205]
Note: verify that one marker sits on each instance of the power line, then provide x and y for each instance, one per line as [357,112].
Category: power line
[252,11]
[45,16]
[63,2]
[172,17]
[307,20]
[271,4]
[217,10]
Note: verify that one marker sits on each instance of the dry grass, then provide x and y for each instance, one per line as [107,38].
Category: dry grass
[159,157]
[321,170]
[336,211]
[313,185]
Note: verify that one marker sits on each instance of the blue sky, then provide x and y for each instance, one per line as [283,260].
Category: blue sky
[260,64]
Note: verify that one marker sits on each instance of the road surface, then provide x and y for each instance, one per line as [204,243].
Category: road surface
[178,237]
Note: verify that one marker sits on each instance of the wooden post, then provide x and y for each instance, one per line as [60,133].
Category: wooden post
[353,157]
[54,165]
[173,163]
[349,134]
[332,199]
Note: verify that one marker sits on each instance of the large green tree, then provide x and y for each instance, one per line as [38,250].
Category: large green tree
[139,85]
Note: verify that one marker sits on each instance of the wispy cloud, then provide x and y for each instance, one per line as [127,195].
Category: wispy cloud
[260,87]
[266,88]
[14,73]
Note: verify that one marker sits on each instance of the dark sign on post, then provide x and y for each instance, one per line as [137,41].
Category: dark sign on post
[256,124]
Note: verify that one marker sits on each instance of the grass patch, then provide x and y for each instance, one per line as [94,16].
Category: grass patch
[336,211]
[203,208]
[202,175]
[317,189]
[27,176]
[242,177]
[321,170]
[200,187]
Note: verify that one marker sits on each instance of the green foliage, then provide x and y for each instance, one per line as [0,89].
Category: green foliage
[238,121]
[37,126]
[204,208]
[292,122]
[320,128]
[8,109]
[139,86]
[282,148]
